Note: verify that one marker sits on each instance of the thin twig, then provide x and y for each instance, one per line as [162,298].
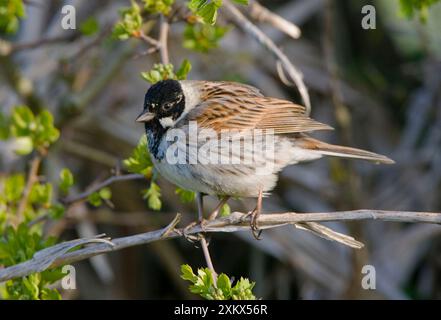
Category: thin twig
[202,240]
[236,221]
[149,40]
[163,37]
[262,14]
[99,186]
[263,39]
[41,42]
[32,179]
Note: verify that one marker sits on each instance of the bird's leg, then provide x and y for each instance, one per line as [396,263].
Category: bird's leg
[215,212]
[203,241]
[255,215]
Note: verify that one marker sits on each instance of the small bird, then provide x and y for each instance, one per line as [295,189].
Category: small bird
[220,106]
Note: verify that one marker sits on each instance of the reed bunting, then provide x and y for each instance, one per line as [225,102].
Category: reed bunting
[240,111]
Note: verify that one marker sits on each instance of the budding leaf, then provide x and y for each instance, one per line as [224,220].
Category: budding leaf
[66,180]
[153,196]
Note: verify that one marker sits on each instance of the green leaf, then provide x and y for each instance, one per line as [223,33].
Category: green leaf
[22,121]
[13,187]
[129,24]
[45,133]
[206,9]
[139,161]
[159,72]
[202,38]
[187,273]
[153,196]
[89,27]
[241,2]
[56,211]
[23,145]
[410,7]
[186,196]
[224,284]
[105,194]
[4,127]
[225,210]
[41,194]
[158,6]
[66,180]
[10,13]
[95,199]
[184,70]
[202,284]
[50,294]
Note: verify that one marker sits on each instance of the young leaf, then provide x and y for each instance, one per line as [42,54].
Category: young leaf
[153,196]
[186,196]
[158,6]
[66,180]
[202,38]
[184,70]
[129,24]
[139,161]
[225,210]
[89,27]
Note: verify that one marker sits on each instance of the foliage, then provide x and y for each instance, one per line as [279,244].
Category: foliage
[130,23]
[203,285]
[207,9]
[203,37]
[18,240]
[158,6]
[166,71]
[18,245]
[90,27]
[139,161]
[97,198]
[410,7]
[153,196]
[11,11]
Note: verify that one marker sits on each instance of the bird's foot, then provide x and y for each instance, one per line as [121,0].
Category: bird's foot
[193,237]
[254,215]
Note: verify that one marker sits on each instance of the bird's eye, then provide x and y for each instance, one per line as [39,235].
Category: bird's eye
[167,106]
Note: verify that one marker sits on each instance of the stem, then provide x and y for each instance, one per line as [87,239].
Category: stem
[203,241]
[163,35]
[32,178]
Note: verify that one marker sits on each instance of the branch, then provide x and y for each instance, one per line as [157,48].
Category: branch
[32,179]
[163,35]
[262,14]
[264,40]
[99,186]
[59,254]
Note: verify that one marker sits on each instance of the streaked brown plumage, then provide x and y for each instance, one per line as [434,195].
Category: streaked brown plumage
[233,106]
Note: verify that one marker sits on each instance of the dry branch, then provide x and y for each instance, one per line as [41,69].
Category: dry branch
[59,254]
[264,40]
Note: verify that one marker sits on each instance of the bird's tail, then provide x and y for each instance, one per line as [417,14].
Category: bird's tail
[324,148]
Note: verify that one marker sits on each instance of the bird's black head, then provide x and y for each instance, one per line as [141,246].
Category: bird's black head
[163,102]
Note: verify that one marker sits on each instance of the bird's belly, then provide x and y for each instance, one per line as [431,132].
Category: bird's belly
[238,181]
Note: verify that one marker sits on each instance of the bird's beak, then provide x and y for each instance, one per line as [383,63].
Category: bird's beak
[145,116]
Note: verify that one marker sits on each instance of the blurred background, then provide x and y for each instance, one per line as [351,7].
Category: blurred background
[380,88]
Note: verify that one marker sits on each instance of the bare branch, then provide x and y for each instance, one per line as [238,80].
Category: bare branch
[58,255]
[163,35]
[32,179]
[99,186]
[260,13]
[263,39]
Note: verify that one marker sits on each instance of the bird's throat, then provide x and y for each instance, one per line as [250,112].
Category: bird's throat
[155,131]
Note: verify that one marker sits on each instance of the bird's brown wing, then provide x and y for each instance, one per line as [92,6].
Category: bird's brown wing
[232,106]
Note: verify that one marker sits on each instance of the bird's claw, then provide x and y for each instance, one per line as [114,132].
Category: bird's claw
[191,237]
[254,215]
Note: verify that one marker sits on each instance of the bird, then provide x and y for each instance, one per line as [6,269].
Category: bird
[173,107]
